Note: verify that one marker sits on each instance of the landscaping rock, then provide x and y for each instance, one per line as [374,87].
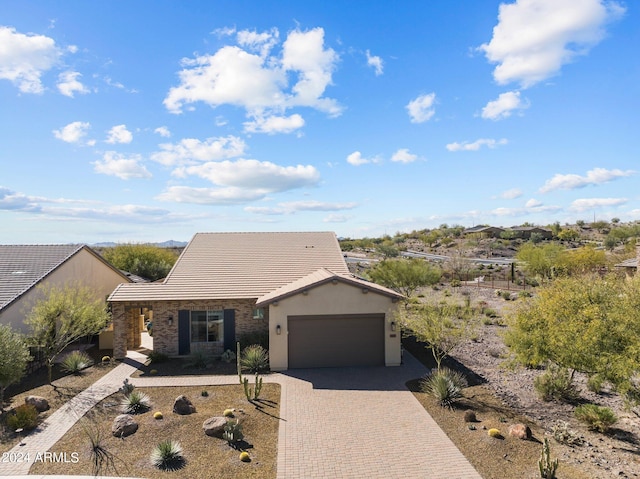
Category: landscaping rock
[183,405]
[40,403]
[470,416]
[124,425]
[214,426]
[520,431]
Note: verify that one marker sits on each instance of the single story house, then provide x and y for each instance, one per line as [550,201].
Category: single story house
[525,232]
[25,267]
[630,266]
[294,286]
[485,231]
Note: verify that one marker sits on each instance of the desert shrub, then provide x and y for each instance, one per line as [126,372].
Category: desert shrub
[597,418]
[228,356]
[24,417]
[455,283]
[487,321]
[136,403]
[254,359]
[595,383]
[470,416]
[197,360]
[556,383]
[157,357]
[564,435]
[493,432]
[256,337]
[204,393]
[233,431]
[506,295]
[167,455]
[244,456]
[75,362]
[490,313]
[524,294]
[444,385]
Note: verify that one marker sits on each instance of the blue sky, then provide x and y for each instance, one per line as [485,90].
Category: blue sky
[148,121]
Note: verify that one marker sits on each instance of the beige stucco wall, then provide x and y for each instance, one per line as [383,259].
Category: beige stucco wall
[340,298]
[126,323]
[83,268]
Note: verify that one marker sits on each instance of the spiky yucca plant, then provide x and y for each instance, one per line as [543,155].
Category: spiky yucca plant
[75,362]
[168,455]
[136,403]
[444,385]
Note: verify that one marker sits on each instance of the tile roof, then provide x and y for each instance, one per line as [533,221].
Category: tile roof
[240,265]
[629,263]
[23,266]
[317,278]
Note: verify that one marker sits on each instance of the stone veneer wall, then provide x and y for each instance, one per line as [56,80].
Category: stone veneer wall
[165,335]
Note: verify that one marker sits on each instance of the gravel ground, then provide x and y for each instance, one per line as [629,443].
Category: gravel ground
[614,455]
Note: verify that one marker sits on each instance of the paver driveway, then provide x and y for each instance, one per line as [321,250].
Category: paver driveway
[361,423]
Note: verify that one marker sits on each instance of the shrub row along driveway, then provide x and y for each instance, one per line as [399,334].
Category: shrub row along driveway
[335,423]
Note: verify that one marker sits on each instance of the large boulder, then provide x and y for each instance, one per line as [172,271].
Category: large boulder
[124,425]
[214,426]
[521,431]
[182,405]
[40,403]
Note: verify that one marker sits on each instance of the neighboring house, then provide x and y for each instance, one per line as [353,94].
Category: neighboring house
[525,232]
[295,286]
[630,266]
[25,267]
[485,231]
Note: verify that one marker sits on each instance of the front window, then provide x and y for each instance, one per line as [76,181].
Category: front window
[258,313]
[207,326]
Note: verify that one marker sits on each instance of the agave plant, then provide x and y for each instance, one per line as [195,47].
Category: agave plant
[168,455]
[254,359]
[75,362]
[136,403]
[444,385]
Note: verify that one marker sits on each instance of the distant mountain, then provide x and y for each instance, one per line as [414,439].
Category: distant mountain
[164,244]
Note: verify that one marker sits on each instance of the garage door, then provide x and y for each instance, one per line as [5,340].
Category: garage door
[327,341]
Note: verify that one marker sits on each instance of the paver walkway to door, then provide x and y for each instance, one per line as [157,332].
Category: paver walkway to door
[335,423]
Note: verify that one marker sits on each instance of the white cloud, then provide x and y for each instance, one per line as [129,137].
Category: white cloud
[585,204]
[24,58]
[190,150]
[115,164]
[259,82]
[68,84]
[333,218]
[274,124]
[532,203]
[14,201]
[503,106]
[511,194]
[375,62]
[295,206]
[163,131]
[535,38]
[119,134]
[210,196]
[422,108]
[356,159]
[262,176]
[593,177]
[404,156]
[476,145]
[73,132]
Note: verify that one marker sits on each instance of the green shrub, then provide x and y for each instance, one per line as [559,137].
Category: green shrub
[254,359]
[564,435]
[136,403]
[197,360]
[556,383]
[75,362]
[233,432]
[168,455]
[156,357]
[597,418]
[524,294]
[491,313]
[455,283]
[595,383]
[204,393]
[24,417]
[228,356]
[444,385]
[255,337]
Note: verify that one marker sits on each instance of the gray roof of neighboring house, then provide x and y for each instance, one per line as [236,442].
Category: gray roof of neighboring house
[240,265]
[629,263]
[480,229]
[322,276]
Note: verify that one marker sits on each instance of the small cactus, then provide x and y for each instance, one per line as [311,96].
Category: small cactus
[493,432]
[545,464]
[157,415]
[106,359]
[228,413]
[153,372]
[204,393]
[244,456]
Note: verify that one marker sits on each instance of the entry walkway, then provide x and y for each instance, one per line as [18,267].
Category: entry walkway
[335,423]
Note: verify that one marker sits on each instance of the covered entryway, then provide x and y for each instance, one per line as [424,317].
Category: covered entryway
[317,341]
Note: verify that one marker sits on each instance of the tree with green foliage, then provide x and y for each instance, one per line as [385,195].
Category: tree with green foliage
[583,323]
[388,251]
[601,226]
[64,315]
[568,234]
[14,356]
[148,261]
[539,260]
[405,275]
[579,261]
[442,326]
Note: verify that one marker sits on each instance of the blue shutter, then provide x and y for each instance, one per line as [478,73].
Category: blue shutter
[229,329]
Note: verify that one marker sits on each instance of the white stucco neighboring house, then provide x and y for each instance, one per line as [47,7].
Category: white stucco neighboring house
[25,267]
[295,286]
